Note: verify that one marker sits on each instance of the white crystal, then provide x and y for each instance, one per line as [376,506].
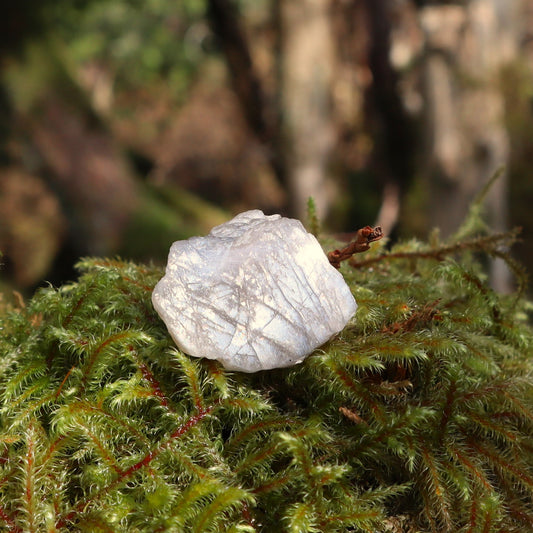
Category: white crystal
[256,293]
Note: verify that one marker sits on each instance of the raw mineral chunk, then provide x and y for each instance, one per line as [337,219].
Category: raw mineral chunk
[256,293]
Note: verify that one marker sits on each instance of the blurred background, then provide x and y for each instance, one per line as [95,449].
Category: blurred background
[128,124]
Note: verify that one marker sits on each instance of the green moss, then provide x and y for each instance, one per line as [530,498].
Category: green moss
[420,413]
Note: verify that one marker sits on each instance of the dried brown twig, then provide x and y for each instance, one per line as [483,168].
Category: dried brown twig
[489,244]
[362,241]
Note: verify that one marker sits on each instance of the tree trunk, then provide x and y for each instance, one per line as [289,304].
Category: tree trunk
[466,46]
[394,138]
[307,57]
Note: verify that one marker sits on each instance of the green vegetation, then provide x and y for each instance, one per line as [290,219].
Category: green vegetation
[140,42]
[419,413]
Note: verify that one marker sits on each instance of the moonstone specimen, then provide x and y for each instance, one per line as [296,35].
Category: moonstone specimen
[256,293]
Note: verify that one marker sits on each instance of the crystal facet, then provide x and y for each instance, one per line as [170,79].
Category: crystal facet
[256,293]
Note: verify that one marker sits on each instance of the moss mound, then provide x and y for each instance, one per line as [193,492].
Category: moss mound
[418,417]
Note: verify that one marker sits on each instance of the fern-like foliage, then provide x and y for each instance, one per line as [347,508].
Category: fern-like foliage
[420,412]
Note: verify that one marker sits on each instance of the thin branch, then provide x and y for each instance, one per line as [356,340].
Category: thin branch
[487,244]
[363,238]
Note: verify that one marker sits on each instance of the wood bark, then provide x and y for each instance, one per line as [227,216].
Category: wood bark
[257,110]
[308,134]
[467,141]
[395,142]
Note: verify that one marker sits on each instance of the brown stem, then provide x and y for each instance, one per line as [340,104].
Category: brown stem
[486,244]
[363,238]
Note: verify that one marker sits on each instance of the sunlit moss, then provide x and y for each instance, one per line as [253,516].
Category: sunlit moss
[419,412]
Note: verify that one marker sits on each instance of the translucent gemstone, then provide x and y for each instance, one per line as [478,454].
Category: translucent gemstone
[257,293]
